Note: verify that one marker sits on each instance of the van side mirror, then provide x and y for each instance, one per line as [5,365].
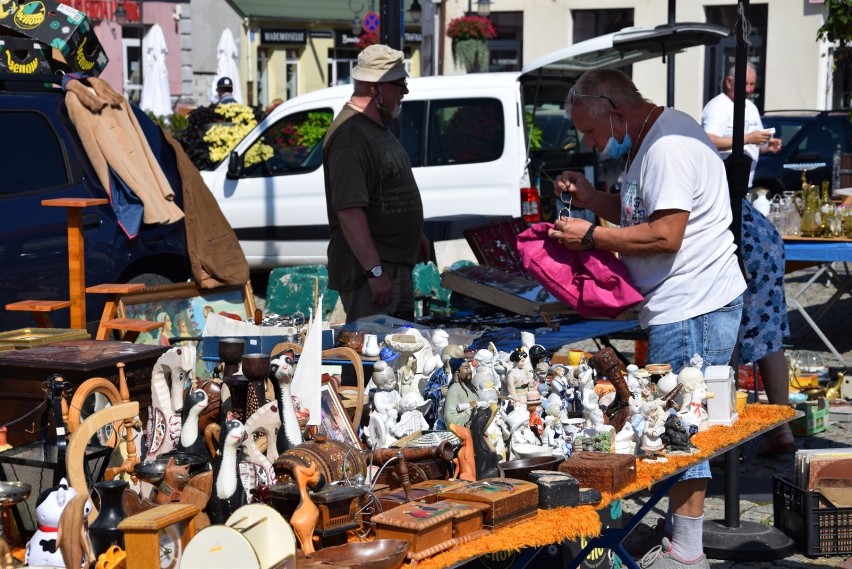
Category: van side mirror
[235,166]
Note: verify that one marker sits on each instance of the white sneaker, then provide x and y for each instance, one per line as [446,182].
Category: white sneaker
[661,557]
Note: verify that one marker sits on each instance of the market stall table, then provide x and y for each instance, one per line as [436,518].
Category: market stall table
[555,526]
[825,253]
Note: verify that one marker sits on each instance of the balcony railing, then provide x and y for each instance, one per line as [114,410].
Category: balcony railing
[106,9]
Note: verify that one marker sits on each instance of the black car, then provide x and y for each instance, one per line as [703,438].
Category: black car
[43,158]
[810,140]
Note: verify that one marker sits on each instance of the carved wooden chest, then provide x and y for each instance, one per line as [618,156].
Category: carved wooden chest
[428,529]
[605,471]
[508,500]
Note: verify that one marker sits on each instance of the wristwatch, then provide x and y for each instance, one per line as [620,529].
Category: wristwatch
[588,240]
[375,272]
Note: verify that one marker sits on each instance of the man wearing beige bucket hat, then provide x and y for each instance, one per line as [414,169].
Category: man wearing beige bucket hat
[375,213]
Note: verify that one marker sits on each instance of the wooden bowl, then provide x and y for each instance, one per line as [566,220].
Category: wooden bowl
[376,554]
[520,469]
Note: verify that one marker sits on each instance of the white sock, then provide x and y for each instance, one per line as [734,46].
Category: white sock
[687,537]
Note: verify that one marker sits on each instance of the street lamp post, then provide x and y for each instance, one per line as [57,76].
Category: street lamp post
[483,7]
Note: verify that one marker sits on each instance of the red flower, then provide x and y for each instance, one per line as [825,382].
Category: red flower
[471,28]
[367,39]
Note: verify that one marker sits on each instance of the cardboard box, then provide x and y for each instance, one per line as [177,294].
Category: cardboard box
[816,419]
[64,28]
[24,56]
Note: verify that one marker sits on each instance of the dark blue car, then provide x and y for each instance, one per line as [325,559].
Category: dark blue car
[42,158]
[808,138]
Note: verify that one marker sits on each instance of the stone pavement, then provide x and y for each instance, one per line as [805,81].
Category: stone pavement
[756,500]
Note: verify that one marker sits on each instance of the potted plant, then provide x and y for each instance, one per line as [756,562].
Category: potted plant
[470,35]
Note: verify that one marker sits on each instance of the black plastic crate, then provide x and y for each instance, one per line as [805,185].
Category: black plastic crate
[811,520]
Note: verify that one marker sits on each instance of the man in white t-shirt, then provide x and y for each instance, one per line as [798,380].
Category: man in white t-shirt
[717,120]
[672,231]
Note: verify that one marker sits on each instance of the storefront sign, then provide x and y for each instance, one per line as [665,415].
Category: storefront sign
[282,36]
[323,34]
[412,37]
[344,39]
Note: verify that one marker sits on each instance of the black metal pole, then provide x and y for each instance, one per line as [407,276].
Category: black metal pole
[670,64]
[391,16]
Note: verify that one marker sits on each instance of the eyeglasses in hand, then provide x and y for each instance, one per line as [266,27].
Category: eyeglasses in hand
[565,198]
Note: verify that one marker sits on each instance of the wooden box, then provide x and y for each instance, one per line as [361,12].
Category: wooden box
[508,500]
[424,527]
[440,486]
[467,516]
[605,471]
[390,500]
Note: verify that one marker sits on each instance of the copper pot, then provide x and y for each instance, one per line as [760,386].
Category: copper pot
[351,339]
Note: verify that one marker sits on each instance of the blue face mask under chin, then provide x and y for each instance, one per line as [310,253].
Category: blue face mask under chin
[615,149]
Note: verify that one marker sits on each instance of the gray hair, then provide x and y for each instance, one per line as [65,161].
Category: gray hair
[601,90]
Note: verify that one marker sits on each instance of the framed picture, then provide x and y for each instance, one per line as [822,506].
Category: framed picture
[183,309]
[334,422]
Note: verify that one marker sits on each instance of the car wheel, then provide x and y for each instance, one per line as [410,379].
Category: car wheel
[150,279]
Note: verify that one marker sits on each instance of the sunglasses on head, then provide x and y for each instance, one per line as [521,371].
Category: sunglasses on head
[573,94]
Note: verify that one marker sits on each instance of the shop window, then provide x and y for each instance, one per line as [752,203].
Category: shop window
[290,146]
[36,162]
[465,131]
[590,24]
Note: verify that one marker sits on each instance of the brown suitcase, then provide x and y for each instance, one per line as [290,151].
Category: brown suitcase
[508,500]
[604,471]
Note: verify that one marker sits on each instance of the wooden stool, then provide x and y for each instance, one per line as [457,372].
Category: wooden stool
[114,292]
[39,309]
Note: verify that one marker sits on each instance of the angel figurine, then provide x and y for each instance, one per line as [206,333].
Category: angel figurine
[655,426]
[412,419]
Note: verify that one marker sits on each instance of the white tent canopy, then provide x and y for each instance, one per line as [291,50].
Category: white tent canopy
[227,65]
[155,97]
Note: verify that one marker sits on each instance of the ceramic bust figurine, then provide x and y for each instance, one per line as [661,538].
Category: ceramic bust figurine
[435,388]
[406,376]
[461,396]
[518,379]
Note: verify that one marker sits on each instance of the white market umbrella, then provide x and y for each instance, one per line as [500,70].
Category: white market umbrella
[227,65]
[156,97]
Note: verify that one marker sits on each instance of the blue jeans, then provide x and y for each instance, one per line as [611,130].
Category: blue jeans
[712,336]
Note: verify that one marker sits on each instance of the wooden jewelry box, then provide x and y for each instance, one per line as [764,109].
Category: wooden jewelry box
[467,516]
[508,500]
[390,500]
[605,471]
[428,529]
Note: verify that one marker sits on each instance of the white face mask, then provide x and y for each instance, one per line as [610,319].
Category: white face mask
[383,109]
[615,149]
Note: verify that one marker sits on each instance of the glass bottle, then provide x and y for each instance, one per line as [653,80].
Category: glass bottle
[793,219]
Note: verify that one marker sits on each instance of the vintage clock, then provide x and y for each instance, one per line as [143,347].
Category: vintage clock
[157,537]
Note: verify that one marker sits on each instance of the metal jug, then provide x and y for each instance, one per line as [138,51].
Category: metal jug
[808,203]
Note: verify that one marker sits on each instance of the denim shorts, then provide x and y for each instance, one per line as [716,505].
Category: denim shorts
[712,336]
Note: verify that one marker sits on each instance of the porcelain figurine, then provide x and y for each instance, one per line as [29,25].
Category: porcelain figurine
[676,437]
[435,389]
[694,395]
[655,426]
[519,378]
[534,407]
[385,407]
[42,548]
[281,371]
[625,440]
[412,419]
[554,435]
[633,380]
[518,422]
[461,396]
[407,377]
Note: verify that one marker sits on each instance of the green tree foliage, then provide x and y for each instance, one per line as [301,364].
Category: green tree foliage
[838,28]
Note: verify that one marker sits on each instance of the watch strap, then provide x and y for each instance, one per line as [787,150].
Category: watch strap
[588,240]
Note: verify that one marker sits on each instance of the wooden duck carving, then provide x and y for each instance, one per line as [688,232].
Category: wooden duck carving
[228,491]
[191,439]
[306,514]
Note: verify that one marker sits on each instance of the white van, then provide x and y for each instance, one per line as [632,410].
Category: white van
[468,138]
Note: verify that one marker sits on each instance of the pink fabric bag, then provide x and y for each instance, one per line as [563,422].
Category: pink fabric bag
[594,283]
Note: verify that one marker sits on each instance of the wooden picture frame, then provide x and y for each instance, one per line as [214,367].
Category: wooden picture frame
[184,307]
[334,421]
